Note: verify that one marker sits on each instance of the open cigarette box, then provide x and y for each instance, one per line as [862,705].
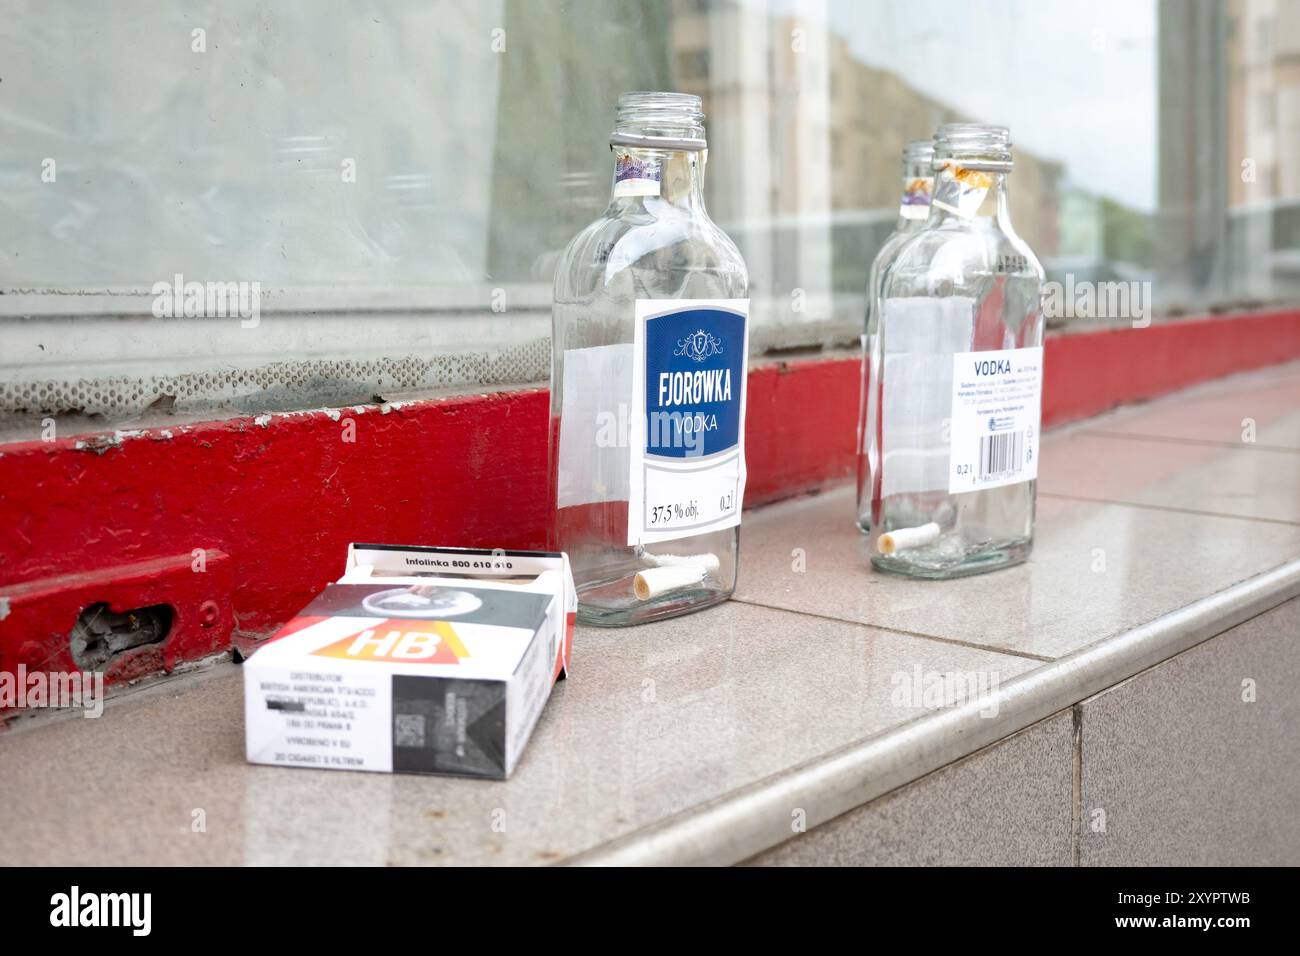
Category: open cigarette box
[420,660]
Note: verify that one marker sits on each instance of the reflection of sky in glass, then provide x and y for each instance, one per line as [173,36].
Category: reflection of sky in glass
[1075,82]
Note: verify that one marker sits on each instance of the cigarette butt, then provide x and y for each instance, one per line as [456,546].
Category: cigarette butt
[655,581]
[902,538]
[709,562]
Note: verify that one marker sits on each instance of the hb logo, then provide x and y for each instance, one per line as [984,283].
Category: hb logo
[400,642]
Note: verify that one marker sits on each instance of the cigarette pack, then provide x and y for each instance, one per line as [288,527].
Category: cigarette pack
[419,660]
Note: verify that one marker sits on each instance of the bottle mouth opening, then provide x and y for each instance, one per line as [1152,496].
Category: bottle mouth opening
[659,120]
[973,145]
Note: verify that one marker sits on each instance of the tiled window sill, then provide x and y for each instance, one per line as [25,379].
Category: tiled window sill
[714,737]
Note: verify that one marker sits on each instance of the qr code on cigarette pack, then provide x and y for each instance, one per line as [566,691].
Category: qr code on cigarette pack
[408,730]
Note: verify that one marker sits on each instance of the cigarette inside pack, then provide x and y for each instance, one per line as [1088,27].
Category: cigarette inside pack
[420,660]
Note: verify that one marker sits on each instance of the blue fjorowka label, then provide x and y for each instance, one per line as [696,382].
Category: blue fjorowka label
[687,470]
[694,365]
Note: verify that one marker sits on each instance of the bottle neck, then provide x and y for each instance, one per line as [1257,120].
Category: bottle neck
[673,176]
[963,194]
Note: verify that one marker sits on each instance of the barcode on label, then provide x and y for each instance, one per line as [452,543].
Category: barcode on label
[1002,454]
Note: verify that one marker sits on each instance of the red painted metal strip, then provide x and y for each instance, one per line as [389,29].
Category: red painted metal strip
[800,427]
[283,495]
[197,587]
[1087,373]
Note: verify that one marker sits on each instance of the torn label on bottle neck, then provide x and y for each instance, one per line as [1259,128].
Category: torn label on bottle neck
[915,203]
[961,191]
[636,175]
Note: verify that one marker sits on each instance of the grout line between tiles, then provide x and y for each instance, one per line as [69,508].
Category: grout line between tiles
[1078,710]
[1076,810]
[1201,442]
[1171,508]
[901,632]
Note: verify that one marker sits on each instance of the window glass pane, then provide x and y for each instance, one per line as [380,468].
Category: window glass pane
[398,178]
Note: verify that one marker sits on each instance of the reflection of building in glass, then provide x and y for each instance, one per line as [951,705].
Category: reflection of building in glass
[822,135]
[1263,162]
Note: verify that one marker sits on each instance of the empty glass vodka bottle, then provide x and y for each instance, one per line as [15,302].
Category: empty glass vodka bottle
[960,342]
[913,209]
[650,338]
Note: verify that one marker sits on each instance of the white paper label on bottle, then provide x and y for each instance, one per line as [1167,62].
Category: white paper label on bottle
[595,425]
[918,337]
[996,407]
[687,462]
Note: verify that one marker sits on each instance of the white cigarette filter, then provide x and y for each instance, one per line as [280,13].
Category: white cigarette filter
[653,582]
[709,562]
[902,538]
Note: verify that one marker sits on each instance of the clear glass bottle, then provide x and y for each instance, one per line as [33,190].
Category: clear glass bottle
[650,338]
[913,209]
[960,342]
